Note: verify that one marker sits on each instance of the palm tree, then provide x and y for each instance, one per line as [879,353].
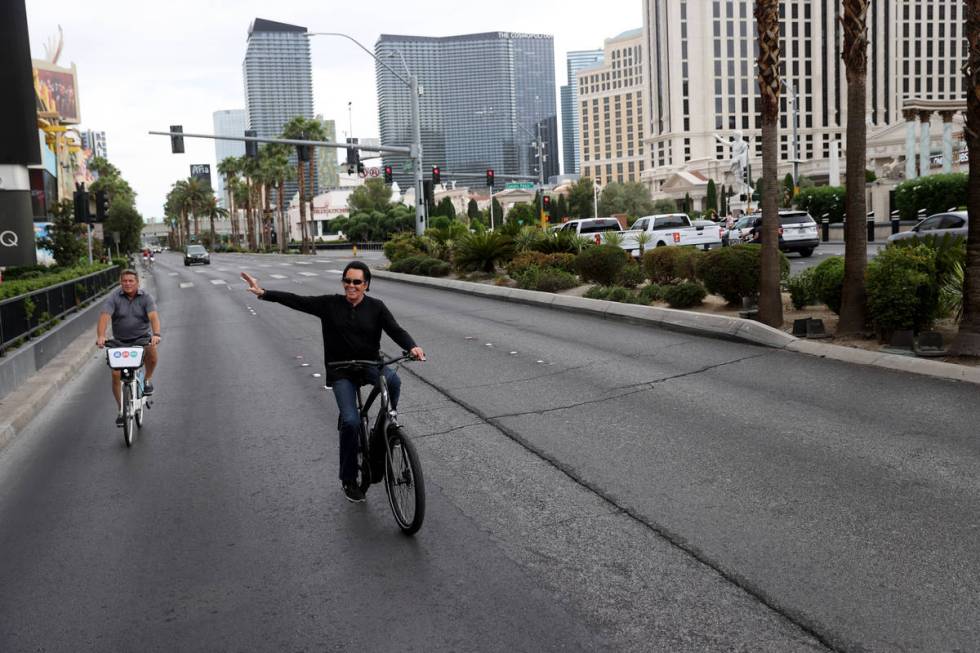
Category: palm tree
[230,167]
[240,192]
[301,128]
[212,211]
[770,298]
[250,170]
[276,170]
[855,55]
[967,341]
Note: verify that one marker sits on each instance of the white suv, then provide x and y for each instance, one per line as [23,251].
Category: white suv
[799,232]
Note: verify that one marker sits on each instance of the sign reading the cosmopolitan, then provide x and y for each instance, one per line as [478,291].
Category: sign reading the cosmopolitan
[202,171]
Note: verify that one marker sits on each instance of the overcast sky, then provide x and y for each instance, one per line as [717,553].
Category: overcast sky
[144,66]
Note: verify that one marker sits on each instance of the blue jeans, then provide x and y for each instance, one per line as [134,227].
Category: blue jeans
[345,392]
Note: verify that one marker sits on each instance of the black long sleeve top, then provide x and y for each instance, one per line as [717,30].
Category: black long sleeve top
[349,332]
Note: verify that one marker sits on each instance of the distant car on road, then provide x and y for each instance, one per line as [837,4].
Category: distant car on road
[952,223]
[196,255]
[797,232]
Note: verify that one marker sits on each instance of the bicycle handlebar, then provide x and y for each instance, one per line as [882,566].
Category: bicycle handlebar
[379,363]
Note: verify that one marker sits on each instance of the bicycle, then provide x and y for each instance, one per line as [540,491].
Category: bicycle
[132,403]
[400,469]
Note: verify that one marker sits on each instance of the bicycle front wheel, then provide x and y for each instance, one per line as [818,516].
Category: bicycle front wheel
[403,482]
[129,419]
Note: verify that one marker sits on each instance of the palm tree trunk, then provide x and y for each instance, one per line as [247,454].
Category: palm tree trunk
[853,296]
[302,208]
[770,297]
[967,341]
[283,231]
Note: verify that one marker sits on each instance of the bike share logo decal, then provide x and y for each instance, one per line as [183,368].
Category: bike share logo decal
[134,353]
[116,354]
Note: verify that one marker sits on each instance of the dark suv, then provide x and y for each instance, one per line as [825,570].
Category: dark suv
[196,254]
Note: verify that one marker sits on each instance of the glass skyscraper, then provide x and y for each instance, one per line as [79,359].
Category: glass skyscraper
[278,80]
[570,125]
[483,97]
[230,122]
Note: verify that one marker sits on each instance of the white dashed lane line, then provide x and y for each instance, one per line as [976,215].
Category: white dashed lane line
[186,284]
[309,274]
[278,276]
[172,274]
[219,282]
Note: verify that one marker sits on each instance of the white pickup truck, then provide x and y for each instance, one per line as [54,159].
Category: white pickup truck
[671,229]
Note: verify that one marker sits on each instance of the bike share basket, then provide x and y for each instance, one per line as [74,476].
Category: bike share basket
[121,358]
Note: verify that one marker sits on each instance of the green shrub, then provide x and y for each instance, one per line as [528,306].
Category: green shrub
[601,264]
[433,267]
[951,293]
[948,250]
[651,293]
[934,193]
[482,251]
[669,264]
[55,276]
[733,272]
[632,275]
[801,289]
[563,241]
[828,281]
[596,292]
[620,294]
[402,246]
[903,291]
[408,264]
[546,279]
[685,294]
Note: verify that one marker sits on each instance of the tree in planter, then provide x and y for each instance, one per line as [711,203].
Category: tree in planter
[664,206]
[472,210]
[66,238]
[711,199]
[770,298]
[967,341]
[854,297]
[522,213]
[561,209]
[631,198]
[580,198]
[789,189]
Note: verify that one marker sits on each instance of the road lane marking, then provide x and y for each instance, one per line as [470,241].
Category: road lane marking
[278,276]
[219,282]
[172,274]
[186,284]
[309,274]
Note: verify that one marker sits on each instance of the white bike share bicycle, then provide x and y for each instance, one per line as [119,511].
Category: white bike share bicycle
[132,403]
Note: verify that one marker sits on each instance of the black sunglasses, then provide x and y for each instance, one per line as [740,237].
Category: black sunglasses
[353,282]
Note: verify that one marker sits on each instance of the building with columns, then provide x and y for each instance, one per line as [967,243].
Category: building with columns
[702,84]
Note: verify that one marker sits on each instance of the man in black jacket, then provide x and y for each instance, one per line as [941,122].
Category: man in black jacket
[352,324]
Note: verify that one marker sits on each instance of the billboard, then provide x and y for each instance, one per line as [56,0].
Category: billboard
[57,92]
[202,172]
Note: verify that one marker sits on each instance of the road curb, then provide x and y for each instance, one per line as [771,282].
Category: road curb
[718,326]
[22,405]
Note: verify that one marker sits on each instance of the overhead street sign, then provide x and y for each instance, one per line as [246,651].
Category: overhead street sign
[519,185]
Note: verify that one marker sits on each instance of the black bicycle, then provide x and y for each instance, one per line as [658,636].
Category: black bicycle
[397,463]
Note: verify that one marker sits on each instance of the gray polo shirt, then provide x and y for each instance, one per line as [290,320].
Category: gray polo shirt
[130,317]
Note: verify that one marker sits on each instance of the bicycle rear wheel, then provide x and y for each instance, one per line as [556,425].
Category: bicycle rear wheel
[139,409]
[129,419]
[403,482]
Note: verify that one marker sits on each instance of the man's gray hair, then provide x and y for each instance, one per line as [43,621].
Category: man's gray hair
[129,271]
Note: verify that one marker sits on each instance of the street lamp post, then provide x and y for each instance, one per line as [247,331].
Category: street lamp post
[416,148]
[794,113]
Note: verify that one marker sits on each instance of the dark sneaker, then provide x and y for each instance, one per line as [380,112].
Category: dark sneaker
[352,492]
[119,420]
[148,389]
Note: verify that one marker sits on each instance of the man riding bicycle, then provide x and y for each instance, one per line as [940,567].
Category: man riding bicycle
[352,324]
[135,321]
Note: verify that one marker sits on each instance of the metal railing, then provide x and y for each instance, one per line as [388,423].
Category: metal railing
[51,304]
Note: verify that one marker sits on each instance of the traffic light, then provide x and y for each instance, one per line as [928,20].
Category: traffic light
[353,157]
[546,203]
[101,205]
[177,142]
[388,175]
[251,147]
[360,169]
[490,177]
[81,203]
[436,176]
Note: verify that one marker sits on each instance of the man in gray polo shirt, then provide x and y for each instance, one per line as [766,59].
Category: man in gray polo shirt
[135,321]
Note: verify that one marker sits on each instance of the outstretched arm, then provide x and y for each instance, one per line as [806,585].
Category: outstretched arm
[311,305]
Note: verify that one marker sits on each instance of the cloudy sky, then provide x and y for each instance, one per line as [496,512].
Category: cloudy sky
[144,66]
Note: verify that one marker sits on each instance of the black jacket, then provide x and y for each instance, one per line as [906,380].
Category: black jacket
[349,332]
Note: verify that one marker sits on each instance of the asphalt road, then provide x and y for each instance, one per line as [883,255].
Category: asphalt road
[592,485]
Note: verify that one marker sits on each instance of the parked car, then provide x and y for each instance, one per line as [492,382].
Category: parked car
[196,255]
[953,223]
